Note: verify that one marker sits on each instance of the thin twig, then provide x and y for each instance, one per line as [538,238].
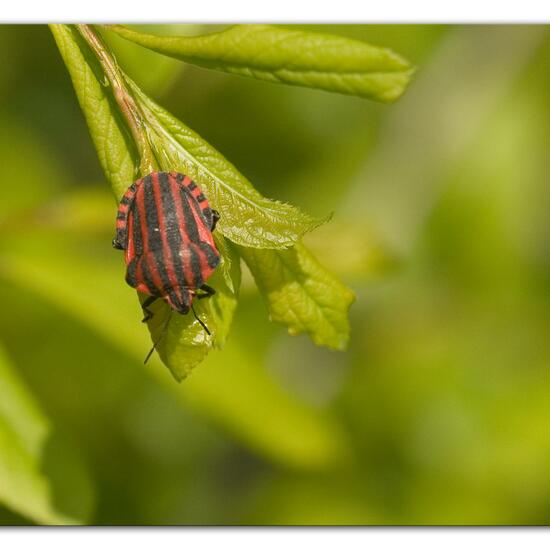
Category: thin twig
[126,102]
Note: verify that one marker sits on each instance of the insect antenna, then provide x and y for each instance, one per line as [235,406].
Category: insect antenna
[197,318]
[161,336]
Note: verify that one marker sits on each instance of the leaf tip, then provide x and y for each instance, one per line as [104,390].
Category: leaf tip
[398,87]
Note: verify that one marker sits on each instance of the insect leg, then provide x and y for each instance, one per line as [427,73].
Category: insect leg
[157,342]
[145,305]
[215,218]
[117,245]
[200,321]
[208,291]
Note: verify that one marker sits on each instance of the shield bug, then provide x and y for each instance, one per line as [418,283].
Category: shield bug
[164,224]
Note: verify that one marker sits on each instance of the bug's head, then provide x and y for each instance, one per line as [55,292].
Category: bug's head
[179,299]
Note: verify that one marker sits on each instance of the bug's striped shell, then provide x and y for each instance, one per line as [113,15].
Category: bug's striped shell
[164,224]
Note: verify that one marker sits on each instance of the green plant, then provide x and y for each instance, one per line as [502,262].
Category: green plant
[133,136]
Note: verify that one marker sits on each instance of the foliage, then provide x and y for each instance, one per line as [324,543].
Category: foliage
[436,413]
[30,481]
[316,60]
[247,218]
[301,294]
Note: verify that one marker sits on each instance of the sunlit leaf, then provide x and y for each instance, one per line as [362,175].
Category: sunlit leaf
[301,294]
[227,282]
[302,58]
[115,150]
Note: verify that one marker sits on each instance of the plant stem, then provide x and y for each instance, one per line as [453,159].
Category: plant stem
[125,101]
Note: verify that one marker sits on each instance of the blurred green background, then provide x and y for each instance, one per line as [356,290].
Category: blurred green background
[437,414]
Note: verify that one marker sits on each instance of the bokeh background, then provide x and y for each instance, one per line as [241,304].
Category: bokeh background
[438,413]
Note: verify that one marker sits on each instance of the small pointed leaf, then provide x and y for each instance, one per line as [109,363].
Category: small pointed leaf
[301,294]
[288,56]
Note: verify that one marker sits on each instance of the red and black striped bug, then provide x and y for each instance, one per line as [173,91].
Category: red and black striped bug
[164,225]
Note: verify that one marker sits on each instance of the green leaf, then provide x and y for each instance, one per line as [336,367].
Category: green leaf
[228,257]
[227,282]
[301,58]
[301,294]
[27,484]
[247,218]
[117,153]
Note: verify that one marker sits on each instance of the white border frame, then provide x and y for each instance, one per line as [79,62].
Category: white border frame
[282,11]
